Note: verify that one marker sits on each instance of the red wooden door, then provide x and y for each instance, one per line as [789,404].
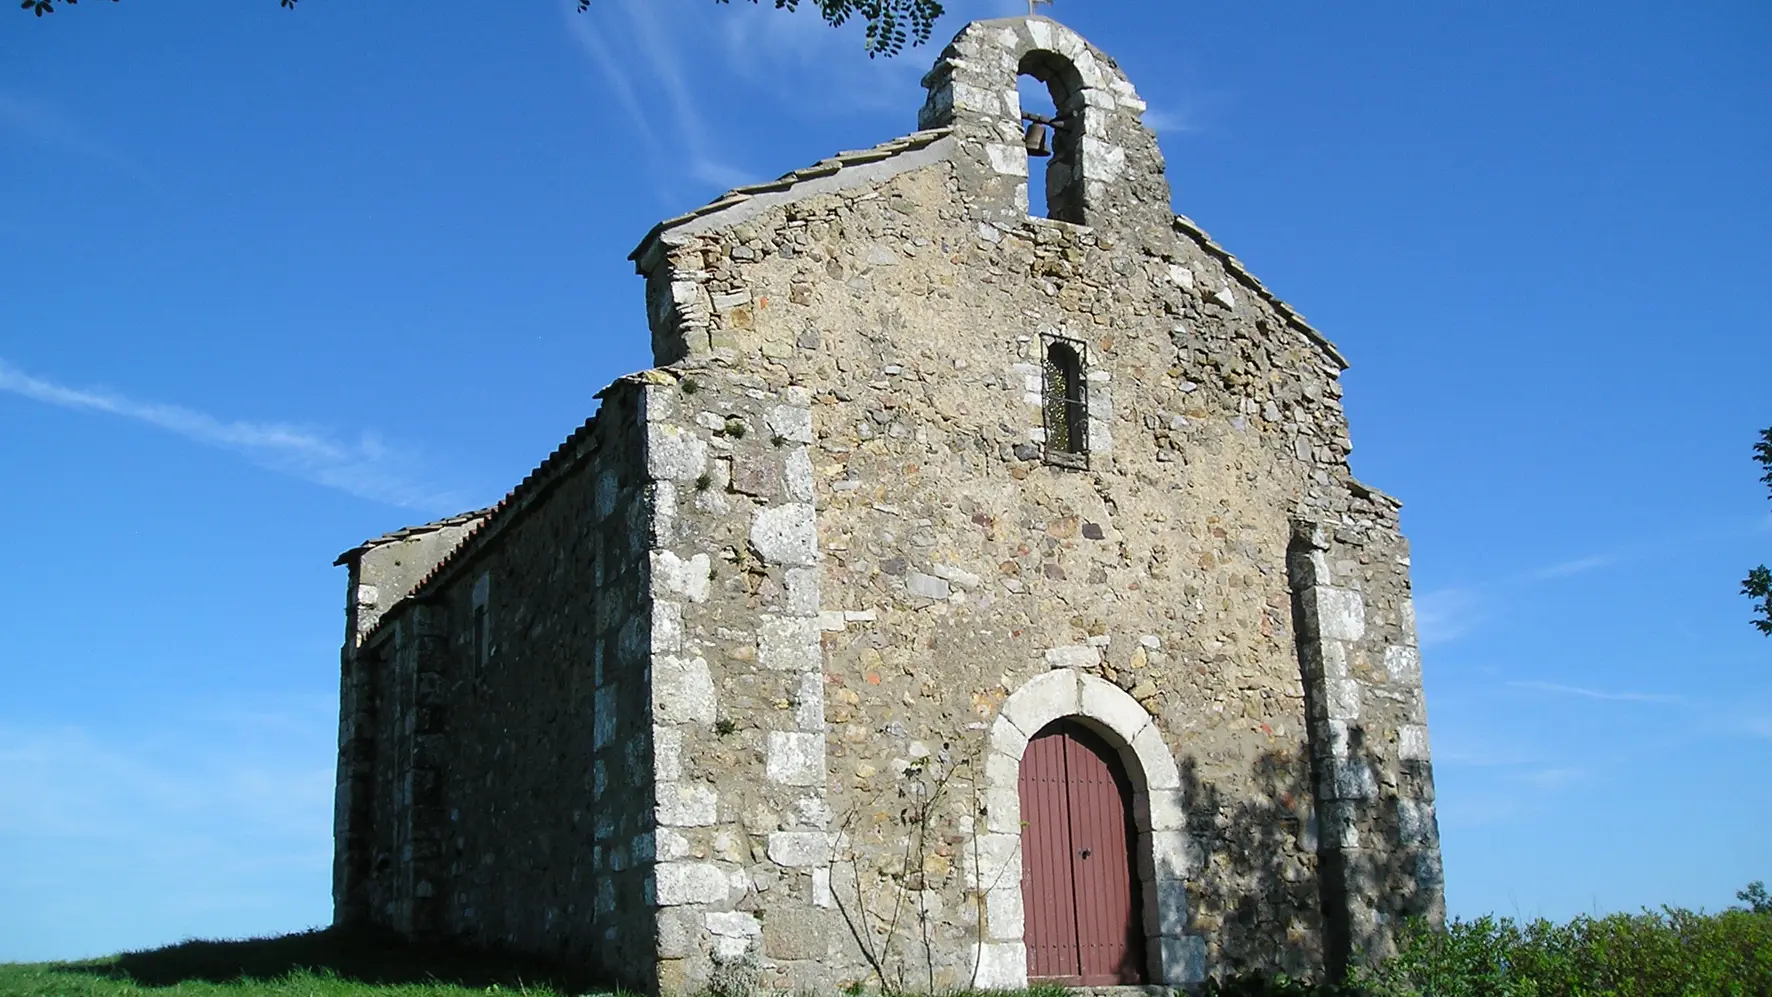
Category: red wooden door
[1078,885]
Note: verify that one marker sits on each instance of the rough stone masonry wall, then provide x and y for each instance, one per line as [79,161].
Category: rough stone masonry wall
[955,567]
[513,769]
[738,708]
[381,573]
[1368,722]
[958,566]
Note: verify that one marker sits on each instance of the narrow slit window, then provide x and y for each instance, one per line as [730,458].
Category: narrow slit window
[1066,403]
[482,632]
[479,640]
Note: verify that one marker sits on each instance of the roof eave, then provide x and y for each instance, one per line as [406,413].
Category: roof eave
[1236,269]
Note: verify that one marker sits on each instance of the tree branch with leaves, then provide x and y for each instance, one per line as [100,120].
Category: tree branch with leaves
[1758,584]
[891,24]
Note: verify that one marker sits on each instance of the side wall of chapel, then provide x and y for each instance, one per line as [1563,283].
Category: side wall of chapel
[500,737]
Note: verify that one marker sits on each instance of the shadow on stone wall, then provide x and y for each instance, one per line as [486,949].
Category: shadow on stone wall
[1395,873]
[1254,891]
[360,957]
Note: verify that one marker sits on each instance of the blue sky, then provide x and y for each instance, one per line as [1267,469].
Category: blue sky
[273,281]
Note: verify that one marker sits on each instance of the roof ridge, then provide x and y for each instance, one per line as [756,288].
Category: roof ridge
[497,515]
[394,536]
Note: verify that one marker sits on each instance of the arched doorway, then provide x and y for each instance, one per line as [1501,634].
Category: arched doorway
[1079,883]
[1177,955]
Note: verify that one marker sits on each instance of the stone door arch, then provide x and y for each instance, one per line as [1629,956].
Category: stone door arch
[1162,848]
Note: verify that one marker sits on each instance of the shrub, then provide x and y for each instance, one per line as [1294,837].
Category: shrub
[1258,984]
[1671,953]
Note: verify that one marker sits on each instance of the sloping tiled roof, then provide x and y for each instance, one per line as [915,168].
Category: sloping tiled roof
[496,517]
[405,532]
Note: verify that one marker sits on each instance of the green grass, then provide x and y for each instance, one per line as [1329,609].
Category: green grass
[324,963]
[48,980]
[308,964]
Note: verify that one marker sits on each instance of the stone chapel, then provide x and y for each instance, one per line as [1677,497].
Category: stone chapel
[965,598]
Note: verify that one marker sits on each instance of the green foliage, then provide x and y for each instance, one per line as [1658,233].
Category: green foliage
[1673,953]
[61,981]
[890,24]
[1277,985]
[1758,587]
[1758,584]
[322,963]
[1755,897]
[41,7]
[1763,454]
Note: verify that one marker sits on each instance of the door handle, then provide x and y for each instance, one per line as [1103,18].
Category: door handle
[1084,852]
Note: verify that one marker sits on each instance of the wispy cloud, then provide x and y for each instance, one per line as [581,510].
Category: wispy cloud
[225,828]
[1741,713]
[645,67]
[1600,694]
[615,73]
[800,63]
[1555,777]
[48,126]
[691,83]
[1161,121]
[78,782]
[366,467]
[1444,615]
[1573,567]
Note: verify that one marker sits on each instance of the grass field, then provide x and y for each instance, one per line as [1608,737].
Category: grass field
[322,963]
[308,964]
[39,980]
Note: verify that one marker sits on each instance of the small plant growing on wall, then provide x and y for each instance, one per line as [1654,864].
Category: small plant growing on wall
[886,908]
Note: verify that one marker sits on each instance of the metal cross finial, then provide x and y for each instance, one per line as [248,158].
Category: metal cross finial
[1035,3]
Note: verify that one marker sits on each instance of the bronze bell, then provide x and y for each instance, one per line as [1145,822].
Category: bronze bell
[1038,139]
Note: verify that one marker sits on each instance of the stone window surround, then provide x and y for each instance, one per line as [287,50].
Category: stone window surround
[1078,455]
[1164,852]
[1030,368]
